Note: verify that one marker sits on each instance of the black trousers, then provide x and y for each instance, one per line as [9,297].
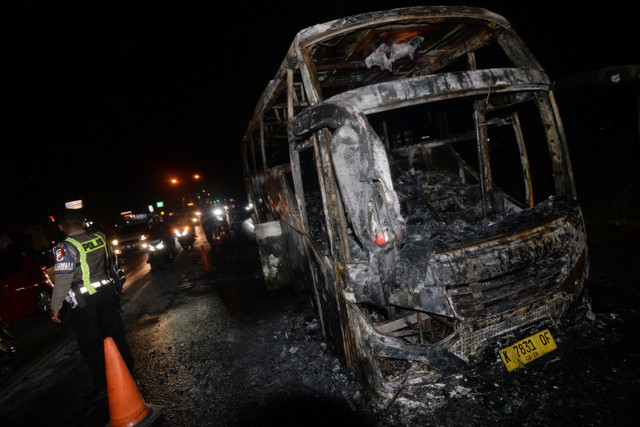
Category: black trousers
[99,319]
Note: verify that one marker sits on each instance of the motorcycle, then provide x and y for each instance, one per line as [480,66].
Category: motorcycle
[216,226]
[160,252]
[7,350]
[186,236]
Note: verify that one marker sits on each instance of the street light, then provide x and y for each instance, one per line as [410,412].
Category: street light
[177,181]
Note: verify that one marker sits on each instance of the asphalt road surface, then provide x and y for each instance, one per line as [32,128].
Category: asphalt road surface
[216,349]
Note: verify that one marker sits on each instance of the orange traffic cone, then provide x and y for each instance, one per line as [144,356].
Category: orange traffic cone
[206,264]
[126,406]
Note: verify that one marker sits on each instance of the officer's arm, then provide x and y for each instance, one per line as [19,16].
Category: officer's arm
[60,290]
[63,270]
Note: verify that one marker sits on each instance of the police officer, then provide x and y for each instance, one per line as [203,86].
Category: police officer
[81,278]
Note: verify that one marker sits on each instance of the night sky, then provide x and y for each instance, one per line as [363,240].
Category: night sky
[105,101]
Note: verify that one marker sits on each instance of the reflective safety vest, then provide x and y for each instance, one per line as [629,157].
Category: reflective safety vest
[97,243]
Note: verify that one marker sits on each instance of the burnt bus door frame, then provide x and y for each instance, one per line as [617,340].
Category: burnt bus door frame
[328,279]
[311,255]
[335,224]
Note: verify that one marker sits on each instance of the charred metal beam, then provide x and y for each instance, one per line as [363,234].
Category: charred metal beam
[437,87]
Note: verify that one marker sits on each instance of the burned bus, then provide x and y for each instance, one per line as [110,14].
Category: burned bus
[409,170]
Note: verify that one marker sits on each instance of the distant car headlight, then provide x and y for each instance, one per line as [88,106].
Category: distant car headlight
[114,242]
[158,247]
[144,237]
[217,211]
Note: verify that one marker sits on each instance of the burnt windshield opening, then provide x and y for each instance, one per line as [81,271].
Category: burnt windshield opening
[436,164]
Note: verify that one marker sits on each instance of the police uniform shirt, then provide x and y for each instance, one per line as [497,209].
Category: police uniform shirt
[67,268]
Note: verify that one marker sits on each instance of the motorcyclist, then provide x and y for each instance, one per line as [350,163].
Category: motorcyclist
[182,221]
[208,223]
[185,231]
[158,230]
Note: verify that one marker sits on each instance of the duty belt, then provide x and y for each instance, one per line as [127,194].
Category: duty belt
[84,290]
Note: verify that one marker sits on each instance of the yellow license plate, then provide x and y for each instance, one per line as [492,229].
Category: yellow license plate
[527,350]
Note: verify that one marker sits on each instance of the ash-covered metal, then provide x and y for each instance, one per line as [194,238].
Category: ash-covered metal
[426,203]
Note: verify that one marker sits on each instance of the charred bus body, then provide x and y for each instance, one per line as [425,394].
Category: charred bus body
[409,169]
